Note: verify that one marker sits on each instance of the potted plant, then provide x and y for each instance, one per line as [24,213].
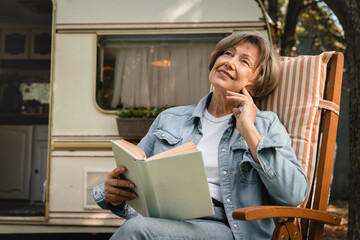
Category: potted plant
[135,122]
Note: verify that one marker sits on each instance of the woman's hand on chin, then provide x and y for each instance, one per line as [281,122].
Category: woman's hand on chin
[245,118]
[247,115]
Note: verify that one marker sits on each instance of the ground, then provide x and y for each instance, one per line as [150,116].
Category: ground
[340,208]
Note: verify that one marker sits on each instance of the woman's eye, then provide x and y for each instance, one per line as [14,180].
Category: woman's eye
[227,53]
[245,62]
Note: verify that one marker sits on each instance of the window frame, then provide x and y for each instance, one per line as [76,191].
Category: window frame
[182,31]
[145,37]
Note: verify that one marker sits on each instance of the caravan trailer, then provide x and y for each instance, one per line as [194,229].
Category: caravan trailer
[107,55]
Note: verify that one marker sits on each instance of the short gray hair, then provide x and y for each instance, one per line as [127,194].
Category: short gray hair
[269,61]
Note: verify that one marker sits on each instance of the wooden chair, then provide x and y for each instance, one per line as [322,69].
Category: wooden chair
[307,102]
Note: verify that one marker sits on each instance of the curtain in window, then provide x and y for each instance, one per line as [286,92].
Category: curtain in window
[153,76]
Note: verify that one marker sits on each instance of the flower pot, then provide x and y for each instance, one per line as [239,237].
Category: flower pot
[133,127]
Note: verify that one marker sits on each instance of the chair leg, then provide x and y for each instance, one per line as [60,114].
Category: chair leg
[280,232]
[286,231]
[293,231]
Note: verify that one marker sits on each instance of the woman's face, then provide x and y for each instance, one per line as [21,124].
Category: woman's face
[234,69]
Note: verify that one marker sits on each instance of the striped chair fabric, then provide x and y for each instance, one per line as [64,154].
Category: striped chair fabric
[298,101]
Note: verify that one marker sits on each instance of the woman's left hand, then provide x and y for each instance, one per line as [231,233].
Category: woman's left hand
[245,118]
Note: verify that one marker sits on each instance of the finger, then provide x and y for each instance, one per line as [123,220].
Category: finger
[120,192]
[236,112]
[117,172]
[115,182]
[242,97]
[116,198]
[124,183]
[236,96]
[231,93]
[113,198]
[246,93]
[239,98]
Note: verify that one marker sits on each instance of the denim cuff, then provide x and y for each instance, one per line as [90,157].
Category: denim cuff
[264,153]
[98,195]
[265,145]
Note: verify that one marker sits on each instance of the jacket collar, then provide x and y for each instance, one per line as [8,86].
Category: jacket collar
[200,107]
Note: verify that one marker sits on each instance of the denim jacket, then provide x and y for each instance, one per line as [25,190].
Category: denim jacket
[278,179]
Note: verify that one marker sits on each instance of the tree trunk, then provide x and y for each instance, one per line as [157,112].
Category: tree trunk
[273,10]
[348,13]
[353,61]
[288,38]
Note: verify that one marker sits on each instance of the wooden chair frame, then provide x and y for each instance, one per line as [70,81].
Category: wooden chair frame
[315,210]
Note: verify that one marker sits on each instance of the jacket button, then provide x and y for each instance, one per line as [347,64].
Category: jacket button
[224,172]
[235,225]
[163,135]
[228,200]
[223,150]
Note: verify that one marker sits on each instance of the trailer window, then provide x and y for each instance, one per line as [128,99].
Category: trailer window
[153,70]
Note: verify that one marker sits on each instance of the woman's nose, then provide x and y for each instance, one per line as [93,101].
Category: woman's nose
[230,63]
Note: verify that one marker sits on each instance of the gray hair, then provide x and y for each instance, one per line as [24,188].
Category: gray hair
[269,61]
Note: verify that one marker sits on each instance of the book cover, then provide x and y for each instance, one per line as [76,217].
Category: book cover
[170,185]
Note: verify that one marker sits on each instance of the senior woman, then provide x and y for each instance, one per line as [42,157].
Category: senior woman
[247,153]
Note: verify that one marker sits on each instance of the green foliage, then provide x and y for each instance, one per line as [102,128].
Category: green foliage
[317,24]
[139,112]
[316,31]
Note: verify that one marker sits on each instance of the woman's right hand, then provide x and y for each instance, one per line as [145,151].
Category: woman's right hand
[118,190]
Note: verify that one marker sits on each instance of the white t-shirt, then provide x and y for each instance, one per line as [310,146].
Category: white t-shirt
[212,128]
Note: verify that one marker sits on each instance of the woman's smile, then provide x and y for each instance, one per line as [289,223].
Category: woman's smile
[226,74]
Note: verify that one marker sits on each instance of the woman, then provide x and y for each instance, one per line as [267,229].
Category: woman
[247,153]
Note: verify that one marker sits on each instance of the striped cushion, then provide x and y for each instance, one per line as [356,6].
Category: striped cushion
[297,102]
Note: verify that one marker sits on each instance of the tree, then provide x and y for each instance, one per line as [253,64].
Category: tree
[308,20]
[348,13]
[318,29]
[288,36]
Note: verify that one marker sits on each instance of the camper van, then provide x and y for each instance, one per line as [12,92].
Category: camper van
[70,77]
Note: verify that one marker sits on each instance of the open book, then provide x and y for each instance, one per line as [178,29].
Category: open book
[170,185]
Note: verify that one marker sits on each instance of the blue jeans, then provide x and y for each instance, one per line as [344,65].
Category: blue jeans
[212,227]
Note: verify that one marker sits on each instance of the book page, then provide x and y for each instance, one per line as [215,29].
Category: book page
[185,148]
[180,187]
[136,152]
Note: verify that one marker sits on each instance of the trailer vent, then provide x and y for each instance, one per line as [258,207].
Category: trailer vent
[93,177]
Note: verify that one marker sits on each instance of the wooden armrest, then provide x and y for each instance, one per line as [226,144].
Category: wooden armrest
[261,212]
